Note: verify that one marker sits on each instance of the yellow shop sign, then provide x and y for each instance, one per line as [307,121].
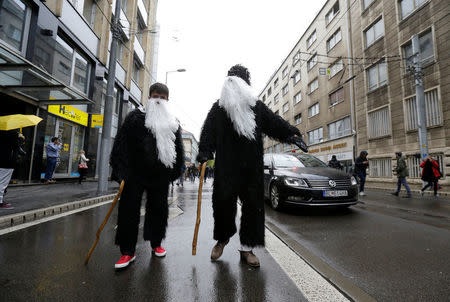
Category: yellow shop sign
[96,120]
[70,113]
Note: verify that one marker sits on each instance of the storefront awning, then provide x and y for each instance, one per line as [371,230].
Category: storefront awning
[21,78]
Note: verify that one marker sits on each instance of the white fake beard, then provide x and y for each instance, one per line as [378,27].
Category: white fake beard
[163,125]
[237,98]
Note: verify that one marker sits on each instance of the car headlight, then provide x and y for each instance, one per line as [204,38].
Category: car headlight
[353,180]
[295,182]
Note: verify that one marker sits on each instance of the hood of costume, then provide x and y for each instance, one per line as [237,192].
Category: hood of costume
[238,99]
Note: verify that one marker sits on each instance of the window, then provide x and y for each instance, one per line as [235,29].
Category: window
[337,96]
[335,68]
[313,110]
[73,68]
[376,76]
[296,58]
[14,18]
[269,91]
[285,72]
[264,98]
[414,169]
[311,39]
[339,128]
[432,110]
[89,11]
[407,7]
[285,107]
[298,118]
[332,13]
[140,32]
[275,98]
[374,32]
[297,98]
[285,89]
[380,167]
[277,112]
[269,104]
[297,77]
[313,86]
[136,71]
[315,136]
[379,123]
[120,51]
[334,39]
[426,46]
[312,62]
[275,83]
[366,3]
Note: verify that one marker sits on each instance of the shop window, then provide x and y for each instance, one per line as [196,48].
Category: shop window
[379,123]
[14,23]
[380,167]
[339,128]
[433,112]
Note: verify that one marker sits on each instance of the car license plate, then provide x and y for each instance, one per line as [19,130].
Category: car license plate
[336,193]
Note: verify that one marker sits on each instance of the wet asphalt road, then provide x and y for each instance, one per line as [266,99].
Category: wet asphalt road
[392,256]
[45,263]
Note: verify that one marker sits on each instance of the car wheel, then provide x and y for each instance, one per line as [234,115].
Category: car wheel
[275,199]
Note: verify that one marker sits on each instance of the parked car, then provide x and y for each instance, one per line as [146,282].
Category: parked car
[304,180]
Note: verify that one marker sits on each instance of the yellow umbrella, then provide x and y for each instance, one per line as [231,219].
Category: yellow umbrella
[18,121]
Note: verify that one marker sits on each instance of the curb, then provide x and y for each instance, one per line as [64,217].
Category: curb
[440,192]
[33,215]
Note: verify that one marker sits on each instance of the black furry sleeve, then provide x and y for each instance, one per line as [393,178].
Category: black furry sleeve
[207,145]
[273,125]
[179,148]
[119,153]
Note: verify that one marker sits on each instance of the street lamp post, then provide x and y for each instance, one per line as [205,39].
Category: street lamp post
[178,70]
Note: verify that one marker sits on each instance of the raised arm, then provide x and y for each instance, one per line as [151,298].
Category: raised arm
[207,145]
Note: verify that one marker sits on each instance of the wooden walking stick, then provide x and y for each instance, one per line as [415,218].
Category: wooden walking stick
[199,210]
[100,229]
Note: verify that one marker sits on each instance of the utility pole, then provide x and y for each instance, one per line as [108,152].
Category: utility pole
[108,108]
[420,97]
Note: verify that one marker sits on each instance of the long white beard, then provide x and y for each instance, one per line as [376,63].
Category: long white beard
[163,126]
[237,98]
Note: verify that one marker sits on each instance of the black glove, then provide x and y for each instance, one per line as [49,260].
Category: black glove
[298,141]
[202,157]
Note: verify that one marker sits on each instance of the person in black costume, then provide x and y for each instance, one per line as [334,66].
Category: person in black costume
[148,154]
[233,131]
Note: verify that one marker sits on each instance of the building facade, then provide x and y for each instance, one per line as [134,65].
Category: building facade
[54,58]
[311,89]
[190,147]
[385,88]
[366,99]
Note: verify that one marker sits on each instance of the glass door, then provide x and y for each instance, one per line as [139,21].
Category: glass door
[77,145]
[64,132]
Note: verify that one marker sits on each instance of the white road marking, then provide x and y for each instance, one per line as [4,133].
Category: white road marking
[312,285]
[39,221]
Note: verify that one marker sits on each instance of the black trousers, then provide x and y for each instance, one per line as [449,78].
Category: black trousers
[251,194]
[434,184]
[156,214]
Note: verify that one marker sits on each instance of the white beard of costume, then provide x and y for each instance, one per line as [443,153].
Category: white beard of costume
[237,98]
[163,125]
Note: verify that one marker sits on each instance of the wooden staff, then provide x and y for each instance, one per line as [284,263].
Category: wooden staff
[100,229]
[199,210]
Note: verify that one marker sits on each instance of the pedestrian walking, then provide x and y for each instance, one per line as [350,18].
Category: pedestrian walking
[9,153]
[148,154]
[335,163]
[52,150]
[181,178]
[402,172]
[430,174]
[82,165]
[361,165]
[234,130]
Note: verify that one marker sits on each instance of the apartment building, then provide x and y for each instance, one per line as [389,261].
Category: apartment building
[54,58]
[190,147]
[385,100]
[311,89]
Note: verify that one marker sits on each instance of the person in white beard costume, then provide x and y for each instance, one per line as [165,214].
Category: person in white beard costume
[233,130]
[148,154]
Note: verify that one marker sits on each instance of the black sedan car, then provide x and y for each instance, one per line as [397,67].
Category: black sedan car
[302,179]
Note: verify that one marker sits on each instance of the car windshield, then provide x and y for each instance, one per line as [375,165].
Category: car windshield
[310,161]
[283,161]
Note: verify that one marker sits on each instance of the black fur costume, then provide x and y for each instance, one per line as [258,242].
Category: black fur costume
[134,158]
[239,170]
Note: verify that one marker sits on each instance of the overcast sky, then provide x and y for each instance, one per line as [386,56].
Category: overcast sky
[207,37]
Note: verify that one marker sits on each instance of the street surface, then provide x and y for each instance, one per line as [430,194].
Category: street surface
[390,254]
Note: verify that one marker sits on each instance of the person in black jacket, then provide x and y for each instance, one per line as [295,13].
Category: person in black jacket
[335,163]
[234,130]
[361,164]
[9,152]
[148,154]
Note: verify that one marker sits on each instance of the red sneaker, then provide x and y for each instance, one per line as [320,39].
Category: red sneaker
[5,205]
[124,261]
[159,251]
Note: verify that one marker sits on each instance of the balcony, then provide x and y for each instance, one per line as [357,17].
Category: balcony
[142,11]
[140,54]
